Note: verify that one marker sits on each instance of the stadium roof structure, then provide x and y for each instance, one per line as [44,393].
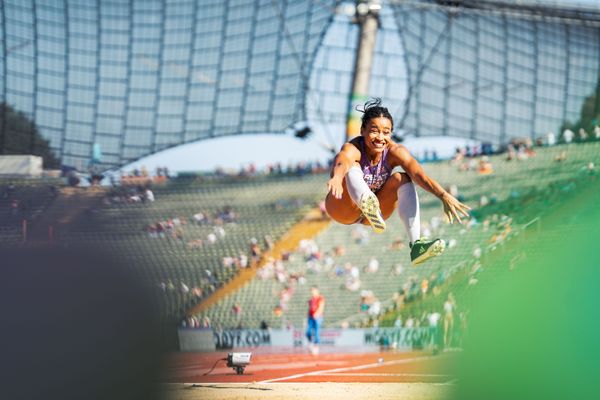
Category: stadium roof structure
[131,78]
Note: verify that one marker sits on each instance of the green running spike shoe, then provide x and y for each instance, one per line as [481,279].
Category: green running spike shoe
[422,250]
[369,205]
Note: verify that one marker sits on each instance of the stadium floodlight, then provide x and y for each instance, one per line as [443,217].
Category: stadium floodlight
[238,361]
[375,6]
[364,7]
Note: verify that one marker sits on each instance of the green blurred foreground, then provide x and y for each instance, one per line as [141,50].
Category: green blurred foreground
[534,327]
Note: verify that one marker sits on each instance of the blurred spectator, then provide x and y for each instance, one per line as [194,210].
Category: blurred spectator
[485,166]
[449,306]
[397,244]
[568,135]
[200,218]
[483,201]
[277,311]
[339,251]
[212,238]
[323,210]
[398,322]
[316,307]
[453,190]
[149,195]
[184,288]
[373,265]
[197,292]
[360,235]
[398,269]
[375,308]
[424,286]
[243,260]
[255,250]
[458,156]
[236,309]
[562,156]
[364,301]
[550,139]
[511,153]
[433,318]
[590,170]
[268,240]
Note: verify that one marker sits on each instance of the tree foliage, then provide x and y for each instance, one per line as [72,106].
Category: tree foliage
[589,116]
[20,135]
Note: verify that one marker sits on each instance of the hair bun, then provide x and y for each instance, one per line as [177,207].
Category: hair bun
[375,102]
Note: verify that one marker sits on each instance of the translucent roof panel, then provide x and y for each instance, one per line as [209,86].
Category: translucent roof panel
[136,77]
[131,78]
[494,76]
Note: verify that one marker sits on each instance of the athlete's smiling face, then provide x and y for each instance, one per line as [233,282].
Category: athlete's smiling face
[377,133]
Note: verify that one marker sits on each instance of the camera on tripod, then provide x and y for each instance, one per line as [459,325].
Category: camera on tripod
[238,361]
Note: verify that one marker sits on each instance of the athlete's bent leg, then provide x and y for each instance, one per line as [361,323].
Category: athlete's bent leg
[342,210]
[362,199]
[388,194]
[400,193]
[409,210]
[357,187]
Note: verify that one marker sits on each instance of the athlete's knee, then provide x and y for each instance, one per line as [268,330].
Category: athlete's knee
[343,217]
[400,178]
[345,220]
[403,177]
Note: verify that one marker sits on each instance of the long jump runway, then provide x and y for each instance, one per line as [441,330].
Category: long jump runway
[329,366]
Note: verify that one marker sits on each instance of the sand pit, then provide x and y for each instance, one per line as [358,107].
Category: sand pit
[305,391]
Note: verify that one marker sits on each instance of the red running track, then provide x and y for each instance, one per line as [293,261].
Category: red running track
[329,366]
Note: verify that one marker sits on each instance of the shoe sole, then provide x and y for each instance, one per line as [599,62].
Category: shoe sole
[372,212]
[433,251]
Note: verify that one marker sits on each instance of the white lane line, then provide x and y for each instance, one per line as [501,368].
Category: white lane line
[384,374]
[355,368]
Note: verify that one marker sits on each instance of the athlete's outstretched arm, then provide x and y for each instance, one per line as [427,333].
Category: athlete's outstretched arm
[453,208]
[341,164]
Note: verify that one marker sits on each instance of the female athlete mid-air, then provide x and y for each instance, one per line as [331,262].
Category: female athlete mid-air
[365,186]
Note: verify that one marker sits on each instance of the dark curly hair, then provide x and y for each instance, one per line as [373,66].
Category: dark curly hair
[373,109]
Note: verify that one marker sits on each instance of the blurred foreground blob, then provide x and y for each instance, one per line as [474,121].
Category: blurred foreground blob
[75,325]
[534,333]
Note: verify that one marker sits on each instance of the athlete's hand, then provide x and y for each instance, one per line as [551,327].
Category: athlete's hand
[334,186]
[454,208]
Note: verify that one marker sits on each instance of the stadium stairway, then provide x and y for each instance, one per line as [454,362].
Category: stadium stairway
[66,211]
[307,228]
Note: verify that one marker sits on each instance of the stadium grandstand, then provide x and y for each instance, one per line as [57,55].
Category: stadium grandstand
[90,91]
